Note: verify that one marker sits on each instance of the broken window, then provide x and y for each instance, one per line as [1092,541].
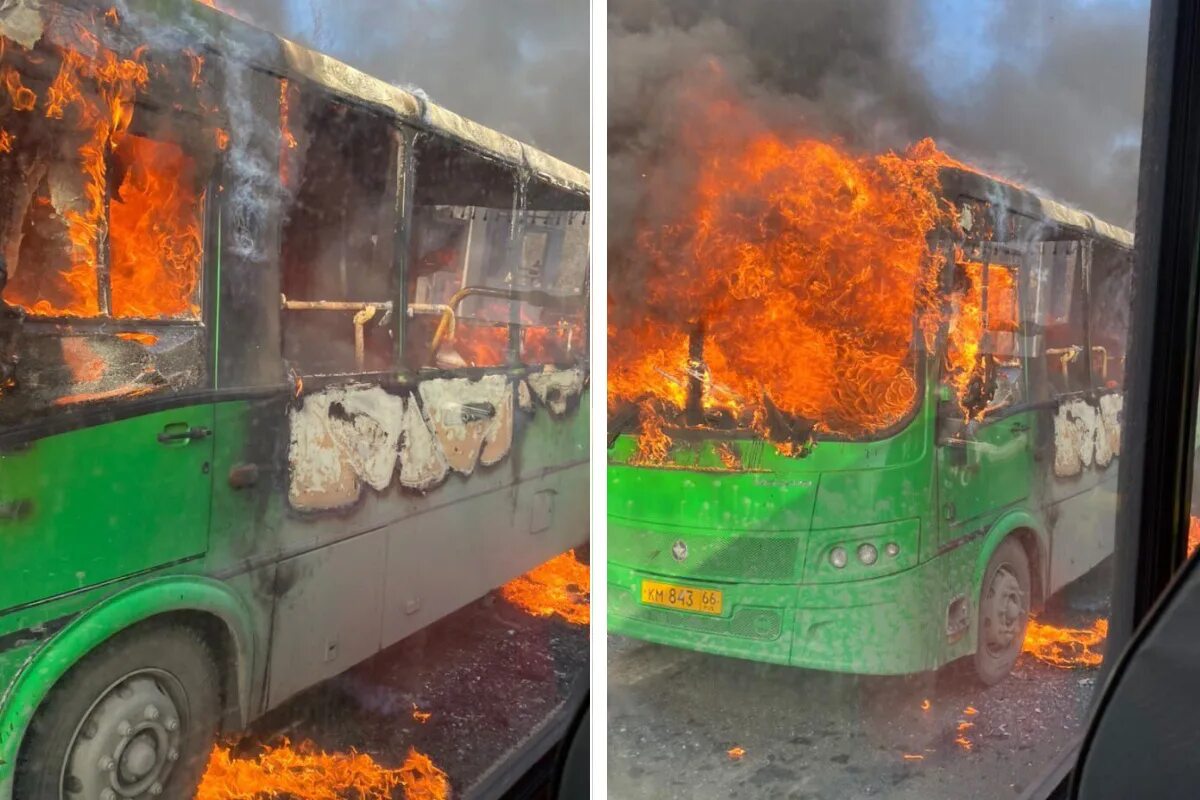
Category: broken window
[106,159]
[339,166]
[552,265]
[983,364]
[462,260]
[1108,310]
[1059,310]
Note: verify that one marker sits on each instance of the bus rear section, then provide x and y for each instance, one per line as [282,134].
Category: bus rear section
[868,456]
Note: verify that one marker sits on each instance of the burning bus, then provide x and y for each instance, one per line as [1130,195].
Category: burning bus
[292,364]
[864,411]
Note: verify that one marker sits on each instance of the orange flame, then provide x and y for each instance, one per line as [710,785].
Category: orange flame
[306,772]
[964,743]
[151,220]
[422,779]
[155,233]
[969,325]
[805,270]
[736,752]
[105,119]
[419,715]
[6,141]
[23,98]
[144,339]
[197,64]
[288,138]
[481,345]
[925,704]
[1066,647]
[85,364]
[1193,540]
[549,344]
[560,586]
[222,137]
[913,757]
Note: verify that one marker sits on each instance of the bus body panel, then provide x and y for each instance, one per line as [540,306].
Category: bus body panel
[876,626]
[143,600]
[78,516]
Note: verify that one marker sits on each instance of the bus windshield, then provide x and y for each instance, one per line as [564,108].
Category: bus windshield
[787,299]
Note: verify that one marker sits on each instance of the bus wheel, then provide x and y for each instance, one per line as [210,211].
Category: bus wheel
[1003,611]
[135,720]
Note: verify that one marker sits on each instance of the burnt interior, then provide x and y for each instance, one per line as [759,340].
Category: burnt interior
[106,184]
[463,216]
[339,229]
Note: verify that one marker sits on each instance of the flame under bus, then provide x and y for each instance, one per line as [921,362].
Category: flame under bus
[783,543]
[290,359]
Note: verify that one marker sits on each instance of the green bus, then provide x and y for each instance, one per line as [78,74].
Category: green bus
[933,539]
[293,363]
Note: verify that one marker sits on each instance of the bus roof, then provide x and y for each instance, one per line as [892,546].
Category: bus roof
[344,79]
[957,181]
[241,41]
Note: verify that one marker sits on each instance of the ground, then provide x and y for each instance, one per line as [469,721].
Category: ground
[487,675]
[674,715]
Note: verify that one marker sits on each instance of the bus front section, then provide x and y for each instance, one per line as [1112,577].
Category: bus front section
[794,385]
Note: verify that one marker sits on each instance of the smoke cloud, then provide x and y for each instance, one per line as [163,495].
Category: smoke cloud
[519,66]
[1047,92]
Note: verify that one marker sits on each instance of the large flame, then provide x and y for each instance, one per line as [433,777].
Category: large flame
[1066,647]
[803,269]
[150,220]
[155,233]
[560,586]
[970,325]
[304,771]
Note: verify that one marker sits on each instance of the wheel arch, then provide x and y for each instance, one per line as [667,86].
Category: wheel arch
[1034,540]
[202,602]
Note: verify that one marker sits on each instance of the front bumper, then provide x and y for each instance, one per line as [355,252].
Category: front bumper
[891,625]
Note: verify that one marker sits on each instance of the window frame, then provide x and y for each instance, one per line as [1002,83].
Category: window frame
[397,189]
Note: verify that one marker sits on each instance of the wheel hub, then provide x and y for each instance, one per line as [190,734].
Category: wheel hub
[1003,610]
[127,743]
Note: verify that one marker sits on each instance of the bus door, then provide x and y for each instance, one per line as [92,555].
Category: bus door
[106,431]
[984,421]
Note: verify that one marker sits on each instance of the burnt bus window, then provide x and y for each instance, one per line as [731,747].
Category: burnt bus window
[338,165]
[983,365]
[106,167]
[460,266]
[114,228]
[1108,312]
[1058,309]
[553,260]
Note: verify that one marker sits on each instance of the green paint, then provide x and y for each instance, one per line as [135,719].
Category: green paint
[764,536]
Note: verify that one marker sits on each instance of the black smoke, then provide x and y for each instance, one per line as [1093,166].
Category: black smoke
[1058,108]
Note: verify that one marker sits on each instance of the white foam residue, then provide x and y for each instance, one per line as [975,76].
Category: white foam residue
[556,388]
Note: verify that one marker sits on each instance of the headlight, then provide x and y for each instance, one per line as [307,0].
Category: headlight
[867,553]
[837,557]
[892,549]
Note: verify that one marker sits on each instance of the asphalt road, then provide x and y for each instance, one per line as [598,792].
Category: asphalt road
[487,676]
[675,714]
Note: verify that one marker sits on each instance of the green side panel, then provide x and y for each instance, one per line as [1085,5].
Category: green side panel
[980,477]
[104,502]
[247,493]
[25,684]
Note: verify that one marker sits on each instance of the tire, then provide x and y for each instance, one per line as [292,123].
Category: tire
[96,730]
[1003,613]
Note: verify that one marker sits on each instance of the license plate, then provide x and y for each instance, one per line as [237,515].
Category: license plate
[685,598]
